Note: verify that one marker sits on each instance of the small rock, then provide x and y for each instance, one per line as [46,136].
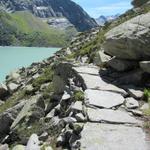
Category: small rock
[13,87]
[33,143]
[14,75]
[50,114]
[3,91]
[69,120]
[136,112]
[19,147]
[48,148]
[1,102]
[101,58]
[77,107]
[131,103]
[29,89]
[135,93]
[80,117]
[66,96]
[43,136]
[60,140]
[4,147]
[145,106]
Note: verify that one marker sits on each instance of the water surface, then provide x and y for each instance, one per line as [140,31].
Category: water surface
[12,58]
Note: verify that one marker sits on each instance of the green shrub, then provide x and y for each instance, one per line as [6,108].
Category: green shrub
[147,95]
[45,77]
[78,96]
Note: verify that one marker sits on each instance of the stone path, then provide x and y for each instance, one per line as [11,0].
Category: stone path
[110,126]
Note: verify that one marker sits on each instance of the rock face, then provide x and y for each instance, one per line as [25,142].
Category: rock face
[53,8]
[130,40]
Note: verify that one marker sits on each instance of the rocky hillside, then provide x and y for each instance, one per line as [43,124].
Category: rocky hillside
[92,94]
[53,8]
[24,29]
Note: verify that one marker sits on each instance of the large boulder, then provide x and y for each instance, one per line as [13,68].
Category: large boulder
[7,118]
[3,91]
[138,3]
[122,65]
[130,40]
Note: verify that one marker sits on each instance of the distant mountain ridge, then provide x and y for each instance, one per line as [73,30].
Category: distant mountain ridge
[53,8]
[103,19]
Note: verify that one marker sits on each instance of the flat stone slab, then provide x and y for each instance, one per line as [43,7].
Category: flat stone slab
[111,116]
[96,82]
[93,70]
[131,103]
[103,99]
[96,136]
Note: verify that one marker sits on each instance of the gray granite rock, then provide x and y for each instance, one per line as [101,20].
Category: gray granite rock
[101,58]
[131,103]
[103,99]
[130,40]
[122,65]
[80,117]
[135,92]
[97,136]
[88,69]
[33,143]
[96,82]
[110,116]
[77,106]
[13,87]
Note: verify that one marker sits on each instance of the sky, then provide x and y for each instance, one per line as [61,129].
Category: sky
[96,8]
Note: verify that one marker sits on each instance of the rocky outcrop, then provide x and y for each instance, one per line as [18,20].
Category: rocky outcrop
[138,3]
[53,8]
[130,40]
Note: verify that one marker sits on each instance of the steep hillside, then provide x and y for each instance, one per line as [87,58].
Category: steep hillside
[53,8]
[24,29]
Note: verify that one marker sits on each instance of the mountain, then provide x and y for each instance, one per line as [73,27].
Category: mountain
[53,8]
[103,19]
[41,22]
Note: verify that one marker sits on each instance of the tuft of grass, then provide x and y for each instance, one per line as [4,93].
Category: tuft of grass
[78,96]
[147,95]
[147,125]
[46,76]
[13,100]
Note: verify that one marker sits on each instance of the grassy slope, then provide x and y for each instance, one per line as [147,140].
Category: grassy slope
[23,28]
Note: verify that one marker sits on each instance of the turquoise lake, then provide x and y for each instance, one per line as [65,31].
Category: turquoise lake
[12,58]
